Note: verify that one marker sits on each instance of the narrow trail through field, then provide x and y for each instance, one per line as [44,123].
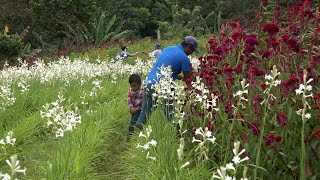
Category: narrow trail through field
[114,152]
[116,145]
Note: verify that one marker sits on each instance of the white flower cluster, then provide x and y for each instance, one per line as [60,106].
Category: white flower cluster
[148,144]
[66,70]
[222,172]
[6,96]
[24,86]
[14,167]
[9,139]
[96,88]
[303,90]
[205,136]
[203,96]
[241,93]
[272,79]
[164,89]
[59,118]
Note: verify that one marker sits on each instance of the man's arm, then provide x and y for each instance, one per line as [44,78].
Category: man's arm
[184,76]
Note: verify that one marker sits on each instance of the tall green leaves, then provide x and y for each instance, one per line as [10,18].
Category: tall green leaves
[100,31]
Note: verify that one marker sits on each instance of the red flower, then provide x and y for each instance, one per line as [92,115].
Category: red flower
[271,138]
[251,40]
[271,28]
[267,54]
[282,119]
[234,24]
[285,38]
[264,3]
[228,108]
[256,71]
[316,134]
[263,85]
[274,43]
[293,44]
[254,128]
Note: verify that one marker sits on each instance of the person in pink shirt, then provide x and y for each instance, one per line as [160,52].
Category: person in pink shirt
[135,95]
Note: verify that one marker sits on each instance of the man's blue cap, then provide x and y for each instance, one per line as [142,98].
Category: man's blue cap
[193,42]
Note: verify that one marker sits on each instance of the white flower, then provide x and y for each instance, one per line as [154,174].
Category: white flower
[150,157]
[277,82]
[14,165]
[146,146]
[185,164]
[237,160]
[153,143]
[308,116]
[5,176]
[299,91]
[268,77]
[142,135]
[230,166]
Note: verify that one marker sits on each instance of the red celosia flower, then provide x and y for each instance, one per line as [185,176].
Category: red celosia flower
[317,96]
[271,28]
[239,68]
[285,38]
[228,108]
[264,3]
[309,14]
[234,24]
[267,54]
[271,138]
[293,44]
[256,71]
[263,85]
[316,134]
[254,128]
[257,97]
[273,43]
[282,119]
[251,40]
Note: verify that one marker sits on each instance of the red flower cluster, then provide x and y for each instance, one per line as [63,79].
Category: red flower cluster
[271,28]
[282,119]
[271,138]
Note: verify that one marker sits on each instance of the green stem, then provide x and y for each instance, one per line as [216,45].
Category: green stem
[261,137]
[303,147]
[302,155]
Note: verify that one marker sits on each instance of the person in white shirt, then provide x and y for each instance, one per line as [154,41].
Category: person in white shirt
[156,52]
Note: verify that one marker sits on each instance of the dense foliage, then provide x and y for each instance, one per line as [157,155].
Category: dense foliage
[50,20]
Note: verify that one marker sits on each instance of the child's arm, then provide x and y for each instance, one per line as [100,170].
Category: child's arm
[130,101]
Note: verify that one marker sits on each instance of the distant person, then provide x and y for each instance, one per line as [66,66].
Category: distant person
[123,55]
[156,52]
[177,58]
[135,95]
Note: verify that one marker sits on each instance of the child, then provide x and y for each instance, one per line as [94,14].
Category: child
[135,95]
[123,55]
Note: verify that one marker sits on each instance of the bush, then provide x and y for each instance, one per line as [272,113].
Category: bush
[10,46]
[52,18]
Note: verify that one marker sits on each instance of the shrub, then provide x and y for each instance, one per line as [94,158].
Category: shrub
[10,46]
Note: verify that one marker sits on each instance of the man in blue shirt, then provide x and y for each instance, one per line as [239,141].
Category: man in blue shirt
[177,58]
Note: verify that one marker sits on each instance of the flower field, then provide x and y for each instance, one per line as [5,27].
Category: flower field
[252,111]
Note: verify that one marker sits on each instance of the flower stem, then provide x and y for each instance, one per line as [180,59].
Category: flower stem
[261,137]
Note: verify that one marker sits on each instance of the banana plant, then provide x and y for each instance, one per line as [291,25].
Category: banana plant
[100,31]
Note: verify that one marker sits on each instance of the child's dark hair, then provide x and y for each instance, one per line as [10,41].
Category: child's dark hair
[123,48]
[135,78]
